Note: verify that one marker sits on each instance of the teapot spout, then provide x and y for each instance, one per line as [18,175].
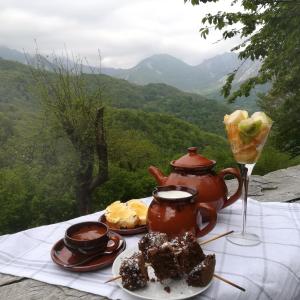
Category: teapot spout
[158,175]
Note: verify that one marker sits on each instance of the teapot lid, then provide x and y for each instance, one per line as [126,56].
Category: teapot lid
[193,160]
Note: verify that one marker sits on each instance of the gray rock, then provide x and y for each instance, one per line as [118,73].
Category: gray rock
[19,288]
[279,186]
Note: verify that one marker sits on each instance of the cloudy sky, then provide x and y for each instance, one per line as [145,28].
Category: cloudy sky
[125,31]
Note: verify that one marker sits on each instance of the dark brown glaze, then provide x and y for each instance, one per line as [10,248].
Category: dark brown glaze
[196,171]
[64,257]
[202,274]
[177,216]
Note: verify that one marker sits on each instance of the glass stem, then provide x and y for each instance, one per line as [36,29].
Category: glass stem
[245,198]
[246,171]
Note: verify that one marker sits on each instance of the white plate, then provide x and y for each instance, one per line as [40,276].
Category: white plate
[155,290]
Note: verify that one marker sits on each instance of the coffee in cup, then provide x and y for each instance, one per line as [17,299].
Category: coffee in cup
[90,238]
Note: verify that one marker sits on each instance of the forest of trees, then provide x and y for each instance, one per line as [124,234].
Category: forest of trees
[143,125]
[71,143]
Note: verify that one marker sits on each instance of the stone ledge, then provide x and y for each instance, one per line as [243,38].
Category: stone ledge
[278,186]
[19,288]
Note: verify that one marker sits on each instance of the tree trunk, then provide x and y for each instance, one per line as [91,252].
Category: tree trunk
[86,184]
[84,177]
[83,197]
[101,151]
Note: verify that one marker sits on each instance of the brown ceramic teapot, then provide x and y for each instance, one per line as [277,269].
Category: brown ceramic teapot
[196,171]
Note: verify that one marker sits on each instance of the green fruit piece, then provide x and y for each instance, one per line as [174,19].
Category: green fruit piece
[267,121]
[250,127]
[245,139]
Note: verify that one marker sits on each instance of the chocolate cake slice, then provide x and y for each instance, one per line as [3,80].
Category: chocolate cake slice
[134,272]
[188,252]
[202,274]
[176,258]
[163,260]
[150,240]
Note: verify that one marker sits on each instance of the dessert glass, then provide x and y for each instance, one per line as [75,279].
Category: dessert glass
[247,137]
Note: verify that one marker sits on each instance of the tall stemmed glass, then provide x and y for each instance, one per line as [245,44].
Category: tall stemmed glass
[247,137]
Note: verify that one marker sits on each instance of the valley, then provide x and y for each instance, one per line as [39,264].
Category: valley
[145,125]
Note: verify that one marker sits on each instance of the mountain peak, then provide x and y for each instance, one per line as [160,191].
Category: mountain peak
[161,59]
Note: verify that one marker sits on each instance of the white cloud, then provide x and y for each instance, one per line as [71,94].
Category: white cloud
[125,31]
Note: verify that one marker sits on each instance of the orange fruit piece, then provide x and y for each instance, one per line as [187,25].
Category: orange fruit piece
[140,208]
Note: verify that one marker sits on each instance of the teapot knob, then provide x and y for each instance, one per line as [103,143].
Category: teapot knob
[192,150]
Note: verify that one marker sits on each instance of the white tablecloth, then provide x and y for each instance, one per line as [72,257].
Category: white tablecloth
[270,270]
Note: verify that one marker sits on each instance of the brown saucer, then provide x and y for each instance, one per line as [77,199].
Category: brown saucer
[124,231]
[63,257]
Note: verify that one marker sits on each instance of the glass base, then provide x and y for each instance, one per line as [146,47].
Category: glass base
[246,239]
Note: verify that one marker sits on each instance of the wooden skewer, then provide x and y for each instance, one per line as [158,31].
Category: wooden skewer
[215,275]
[229,282]
[113,279]
[216,237]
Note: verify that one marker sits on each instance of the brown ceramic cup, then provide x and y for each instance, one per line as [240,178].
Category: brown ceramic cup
[90,238]
[175,216]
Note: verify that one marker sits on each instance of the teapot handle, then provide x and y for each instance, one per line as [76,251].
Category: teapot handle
[211,212]
[236,173]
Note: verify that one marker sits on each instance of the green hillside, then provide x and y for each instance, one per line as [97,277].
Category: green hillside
[205,79]
[15,82]
[38,163]
[16,85]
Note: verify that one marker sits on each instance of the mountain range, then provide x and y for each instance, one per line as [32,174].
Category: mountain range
[206,78]
[16,84]
[202,78]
